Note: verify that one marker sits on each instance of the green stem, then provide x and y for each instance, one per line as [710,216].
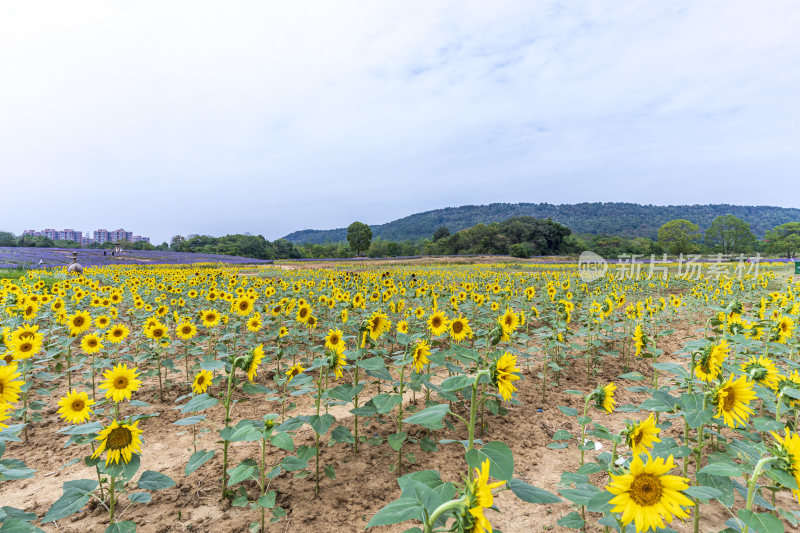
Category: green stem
[751,484]
[226,442]
[443,508]
[112,501]
[400,420]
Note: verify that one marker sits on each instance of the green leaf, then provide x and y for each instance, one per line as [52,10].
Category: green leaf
[430,417]
[703,493]
[456,383]
[240,472]
[578,496]
[197,460]
[82,429]
[632,376]
[75,495]
[572,521]
[199,403]
[569,411]
[396,440]
[321,424]
[599,502]
[397,511]
[501,460]
[767,424]
[16,525]
[267,501]
[722,484]
[384,403]
[721,469]
[330,472]
[140,497]
[342,434]
[562,434]
[373,363]
[530,494]
[151,480]
[122,527]
[292,463]
[190,420]
[760,522]
[283,441]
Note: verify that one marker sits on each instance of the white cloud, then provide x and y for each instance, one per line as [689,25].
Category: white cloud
[209,117]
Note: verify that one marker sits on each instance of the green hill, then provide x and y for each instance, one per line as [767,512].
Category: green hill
[624,219]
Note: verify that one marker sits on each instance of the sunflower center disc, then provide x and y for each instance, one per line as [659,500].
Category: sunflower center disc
[121,383]
[646,489]
[77,405]
[729,400]
[119,438]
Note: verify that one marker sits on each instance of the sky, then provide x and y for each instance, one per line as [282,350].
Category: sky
[193,117]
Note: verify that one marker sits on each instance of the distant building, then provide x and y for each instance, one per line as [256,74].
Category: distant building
[99,236]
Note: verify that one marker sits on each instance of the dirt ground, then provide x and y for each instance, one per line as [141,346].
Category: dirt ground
[363,482]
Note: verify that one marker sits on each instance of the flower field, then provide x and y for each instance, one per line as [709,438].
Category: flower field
[424,397]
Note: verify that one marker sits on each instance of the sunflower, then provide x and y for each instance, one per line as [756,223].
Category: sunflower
[185,330]
[311,322]
[9,385]
[283,331]
[26,347]
[377,325]
[761,370]
[648,495]
[79,322]
[604,397]
[459,329]
[201,381]
[254,322]
[479,497]
[102,321]
[420,356]
[419,312]
[121,441]
[157,332]
[345,316]
[303,312]
[437,323]
[640,436]
[4,409]
[733,401]
[333,341]
[255,360]
[402,326]
[210,317]
[242,306]
[75,407]
[91,344]
[788,454]
[120,382]
[711,359]
[504,373]
[638,339]
[117,333]
[509,321]
[785,329]
[295,370]
[336,363]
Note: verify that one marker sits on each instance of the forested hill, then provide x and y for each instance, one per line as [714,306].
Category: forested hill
[629,220]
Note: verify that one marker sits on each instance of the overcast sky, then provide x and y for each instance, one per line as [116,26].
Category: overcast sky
[173,117]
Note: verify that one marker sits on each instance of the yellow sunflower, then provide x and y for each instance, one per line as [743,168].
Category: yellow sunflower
[336,363]
[459,329]
[79,322]
[377,325]
[254,322]
[120,382]
[9,384]
[402,326]
[185,330]
[504,374]
[648,495]
[209,317]
[120,441]
[91,344]
[201,381]
[640,436]
[711,358]
[480,497]
[255,360]
[420,356]
[333,341]
[509,321]
[788,454]
[75,407]
[295,370]
[117,333]
[26,347]
[437,322]
[604,397]
[732,399]
[761,370]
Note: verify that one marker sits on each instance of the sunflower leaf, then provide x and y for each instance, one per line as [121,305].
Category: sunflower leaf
[151,480]
[197,460]
[199,403]
[530,494]
[76,495]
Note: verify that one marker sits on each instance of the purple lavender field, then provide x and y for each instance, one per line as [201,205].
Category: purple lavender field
[58,257]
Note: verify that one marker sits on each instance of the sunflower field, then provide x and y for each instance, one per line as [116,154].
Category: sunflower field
[412,397]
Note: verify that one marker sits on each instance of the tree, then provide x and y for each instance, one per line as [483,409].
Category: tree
[784,239]
[441,233]
[679,236]
[175,243]
[7,239]
[359,236]
[729,234]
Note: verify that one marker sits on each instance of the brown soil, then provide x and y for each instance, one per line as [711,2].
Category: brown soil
[363,482]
